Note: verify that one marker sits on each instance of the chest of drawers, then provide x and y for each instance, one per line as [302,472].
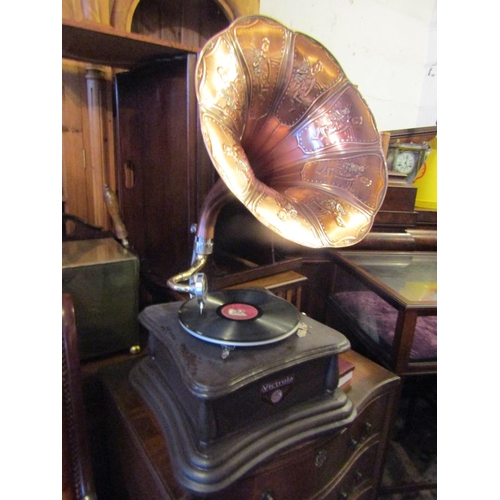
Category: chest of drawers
[345,464]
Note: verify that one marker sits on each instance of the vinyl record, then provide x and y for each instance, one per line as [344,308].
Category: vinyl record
[240,318]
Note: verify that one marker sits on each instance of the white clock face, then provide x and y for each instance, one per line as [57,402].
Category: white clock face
[405,162]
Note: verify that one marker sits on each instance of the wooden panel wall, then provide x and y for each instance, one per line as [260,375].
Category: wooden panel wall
[87,143]
[88,140]
[74,123]
[188,23]
[88,156]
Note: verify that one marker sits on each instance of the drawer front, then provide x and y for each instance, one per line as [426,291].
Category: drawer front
[351,441]
[295,473]
[358,481]
[326,467]
[368,423]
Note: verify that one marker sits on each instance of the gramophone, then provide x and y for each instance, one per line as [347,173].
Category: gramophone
[234,377]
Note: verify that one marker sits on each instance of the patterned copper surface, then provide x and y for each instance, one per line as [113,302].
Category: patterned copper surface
[289,134]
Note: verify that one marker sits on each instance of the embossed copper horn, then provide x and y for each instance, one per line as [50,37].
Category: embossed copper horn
[290,136]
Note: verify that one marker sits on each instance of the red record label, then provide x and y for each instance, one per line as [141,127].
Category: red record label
[239,312]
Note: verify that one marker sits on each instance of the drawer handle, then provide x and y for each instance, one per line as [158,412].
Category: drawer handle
[320,458]
[267,495]
[353,443]
[359,476]
[343,495]
[367,432]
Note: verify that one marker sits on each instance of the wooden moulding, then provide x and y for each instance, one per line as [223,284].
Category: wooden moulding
[98,44]
[415,135]
[104,37]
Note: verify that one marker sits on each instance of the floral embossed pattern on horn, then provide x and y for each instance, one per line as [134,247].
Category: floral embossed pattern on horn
[289,134]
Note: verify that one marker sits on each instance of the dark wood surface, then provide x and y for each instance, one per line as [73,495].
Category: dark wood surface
[427,218]
[188,23]
[74,228]
[161,203]
[77,474]
[287,285]
[139,467]
[95,43]
[415,135]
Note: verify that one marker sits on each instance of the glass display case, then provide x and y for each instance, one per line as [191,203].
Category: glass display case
[386,304]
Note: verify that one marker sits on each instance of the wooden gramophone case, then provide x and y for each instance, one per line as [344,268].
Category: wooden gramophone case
[223,416]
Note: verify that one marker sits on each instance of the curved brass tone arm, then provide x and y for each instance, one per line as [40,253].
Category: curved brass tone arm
[177,282]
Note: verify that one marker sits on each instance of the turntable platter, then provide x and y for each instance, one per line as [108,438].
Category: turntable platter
[240,318]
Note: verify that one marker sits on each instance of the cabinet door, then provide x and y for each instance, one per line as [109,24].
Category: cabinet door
[163,172]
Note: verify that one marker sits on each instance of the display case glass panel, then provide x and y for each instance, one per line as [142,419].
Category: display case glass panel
[388,302]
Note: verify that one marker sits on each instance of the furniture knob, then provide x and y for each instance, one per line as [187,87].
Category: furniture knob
[320,458]
[343,494]
[366,431]
[267,495]
[359,476]
[353,443]
[135,349]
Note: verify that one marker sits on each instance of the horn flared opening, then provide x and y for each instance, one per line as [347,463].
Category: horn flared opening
[289,135]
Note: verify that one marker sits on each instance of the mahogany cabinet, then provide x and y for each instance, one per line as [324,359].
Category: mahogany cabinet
[343,464]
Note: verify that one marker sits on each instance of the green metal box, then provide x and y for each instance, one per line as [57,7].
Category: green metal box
[103,280]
